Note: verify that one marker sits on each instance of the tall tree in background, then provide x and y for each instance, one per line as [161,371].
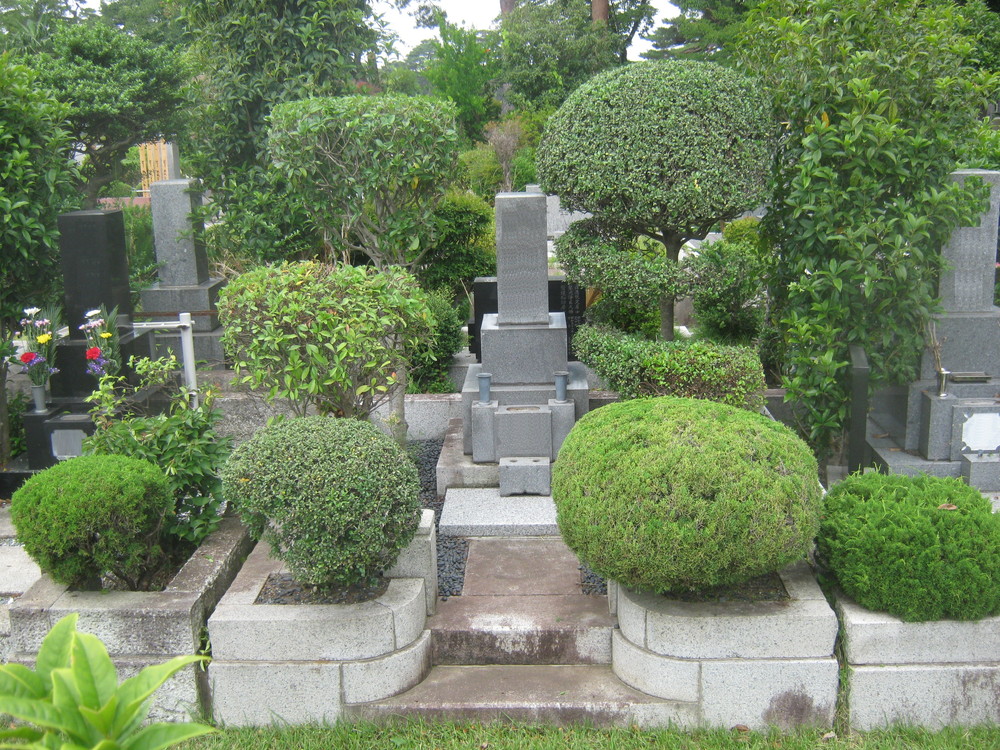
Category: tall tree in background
[27,26]
[122,91]
[156,21]
[703,30]
[255,54]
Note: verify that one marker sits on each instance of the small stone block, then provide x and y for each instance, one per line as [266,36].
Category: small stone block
[525,475]
[375,679]
[523,430]
[484,447]
[479,511]
[982,472]
[419,559]
[262,693]
[563,419]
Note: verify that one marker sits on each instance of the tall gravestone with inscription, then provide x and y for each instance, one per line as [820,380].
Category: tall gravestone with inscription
[185,284]
[950,425]
[521,402]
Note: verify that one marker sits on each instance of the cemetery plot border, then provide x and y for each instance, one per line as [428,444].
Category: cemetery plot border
[300,663]
[140,628]
[927,674]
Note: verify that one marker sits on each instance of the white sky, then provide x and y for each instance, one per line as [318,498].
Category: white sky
[478,14]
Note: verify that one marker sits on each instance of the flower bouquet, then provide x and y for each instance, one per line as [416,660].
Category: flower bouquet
[39,333]
[101,331]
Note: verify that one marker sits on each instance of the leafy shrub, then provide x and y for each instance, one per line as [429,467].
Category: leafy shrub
[638,367]
[921,548]
[673,494]
[74,698]
[463,246]
[624,316]
[93,515]
[327,337]
[432,355]
[17,405]
[181,440]
[728,290]
[336,499]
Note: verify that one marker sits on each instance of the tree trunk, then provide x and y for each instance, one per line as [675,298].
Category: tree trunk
[666,317]
[599,11]
[4,423]
[506,6]
[397,418]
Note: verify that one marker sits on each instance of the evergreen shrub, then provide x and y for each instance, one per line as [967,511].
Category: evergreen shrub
[675,494]
[728,291]
[920,548]
[637,367]
[93,515]
[336,499]
[433,354]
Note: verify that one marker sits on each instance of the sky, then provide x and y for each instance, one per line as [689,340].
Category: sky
[478,14]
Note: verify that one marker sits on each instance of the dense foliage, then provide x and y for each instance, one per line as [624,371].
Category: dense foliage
[121,90]
[675,494]
[251,55]
[878,101]
[637,367]
[702,30]
[433,353]
[920,548]
[36,185]
[182,440]
[660,149]
[94,515]
[329,338]
[370,170]
[463,246]
[336,499]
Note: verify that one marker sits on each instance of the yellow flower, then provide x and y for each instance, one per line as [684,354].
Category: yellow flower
[106,335]
[44,338]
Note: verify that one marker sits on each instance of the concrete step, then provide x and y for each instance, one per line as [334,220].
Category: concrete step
[7,531]
[560,695]
[481,511]
[573,629]
[522,603]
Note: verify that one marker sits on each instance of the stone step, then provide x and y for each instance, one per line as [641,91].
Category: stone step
[481,511]
[7,531]
[573,629]
[559,695]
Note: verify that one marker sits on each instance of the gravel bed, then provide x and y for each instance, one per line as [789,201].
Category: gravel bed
[451,551]
[591,583]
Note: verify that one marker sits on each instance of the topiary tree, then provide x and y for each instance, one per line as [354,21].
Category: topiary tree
[93,515]
[334,339]
[122,91]
[662,150]
[879,100]
[36,185]
[370,170]
[335,498]
[921,548]
[673,494]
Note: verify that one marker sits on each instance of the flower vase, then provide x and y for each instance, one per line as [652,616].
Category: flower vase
[38,394]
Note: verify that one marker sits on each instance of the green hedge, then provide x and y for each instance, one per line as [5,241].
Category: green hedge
[920,548]
[674,494]
[636,367]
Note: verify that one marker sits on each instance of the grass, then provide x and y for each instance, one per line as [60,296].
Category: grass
[445,736]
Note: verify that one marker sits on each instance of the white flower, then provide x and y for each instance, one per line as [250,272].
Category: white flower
[92,313]
[32,311]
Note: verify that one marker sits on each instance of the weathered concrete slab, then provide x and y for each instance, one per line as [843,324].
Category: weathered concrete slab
[481,511]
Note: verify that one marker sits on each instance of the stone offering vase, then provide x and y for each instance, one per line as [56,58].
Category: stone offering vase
[300,663]
[140,628]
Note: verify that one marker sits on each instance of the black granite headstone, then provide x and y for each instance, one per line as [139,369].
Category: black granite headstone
[563,297]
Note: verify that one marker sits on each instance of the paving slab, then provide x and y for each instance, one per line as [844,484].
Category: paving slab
[520,567]
[18,572]
[560,695]
[6,525]
[481,511]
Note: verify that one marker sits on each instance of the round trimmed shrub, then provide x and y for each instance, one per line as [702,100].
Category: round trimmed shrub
[675,494]
[920,548]
[93,515]
[336,499]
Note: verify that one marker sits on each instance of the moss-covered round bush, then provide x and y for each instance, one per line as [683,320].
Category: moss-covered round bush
[675,494]
[93,515]
[920,548]
[336,499]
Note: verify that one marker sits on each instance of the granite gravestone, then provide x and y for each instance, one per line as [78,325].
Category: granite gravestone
[185,284]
